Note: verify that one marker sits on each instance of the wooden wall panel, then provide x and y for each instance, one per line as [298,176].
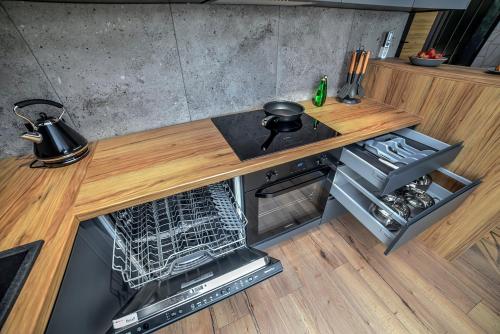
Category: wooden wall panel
[453,110]
[419,30]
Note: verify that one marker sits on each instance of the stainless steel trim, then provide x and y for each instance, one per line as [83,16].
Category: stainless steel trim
[66,156]
[239,195]
[457,177]
[35,128]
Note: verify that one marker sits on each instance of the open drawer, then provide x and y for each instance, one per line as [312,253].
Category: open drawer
[386,173]
[356,195]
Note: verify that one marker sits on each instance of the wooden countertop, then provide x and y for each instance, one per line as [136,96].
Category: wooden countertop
[48,204]
[464,73]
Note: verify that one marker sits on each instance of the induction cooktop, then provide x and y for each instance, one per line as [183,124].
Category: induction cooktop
[249,139]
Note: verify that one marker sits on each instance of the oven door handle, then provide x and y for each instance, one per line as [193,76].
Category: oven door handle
[261,193]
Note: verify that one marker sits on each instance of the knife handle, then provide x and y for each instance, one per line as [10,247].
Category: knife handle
[351,66]
[359,66]
[365,63]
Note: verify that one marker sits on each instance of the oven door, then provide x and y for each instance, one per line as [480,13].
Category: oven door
[286,204]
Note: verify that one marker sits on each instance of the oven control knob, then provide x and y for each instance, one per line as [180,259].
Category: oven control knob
[271,175]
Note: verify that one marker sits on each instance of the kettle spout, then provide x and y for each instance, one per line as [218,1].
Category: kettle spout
[34,137]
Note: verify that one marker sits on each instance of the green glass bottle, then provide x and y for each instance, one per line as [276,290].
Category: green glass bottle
[320,97]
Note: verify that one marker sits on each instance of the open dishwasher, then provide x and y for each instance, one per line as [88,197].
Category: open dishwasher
[144,267]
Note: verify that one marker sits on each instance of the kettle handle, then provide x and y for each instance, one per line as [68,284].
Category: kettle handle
[25,103]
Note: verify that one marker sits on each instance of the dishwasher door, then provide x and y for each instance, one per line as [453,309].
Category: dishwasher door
[91,293]
[94,298]
[144,267]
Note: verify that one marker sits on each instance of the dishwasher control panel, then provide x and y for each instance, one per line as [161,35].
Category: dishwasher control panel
[163,319]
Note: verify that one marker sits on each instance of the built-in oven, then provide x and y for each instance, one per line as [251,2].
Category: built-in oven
[285,198]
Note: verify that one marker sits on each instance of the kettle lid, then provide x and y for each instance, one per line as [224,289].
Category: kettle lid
[46,120]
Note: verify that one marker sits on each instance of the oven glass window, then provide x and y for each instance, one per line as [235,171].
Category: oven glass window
[290,209]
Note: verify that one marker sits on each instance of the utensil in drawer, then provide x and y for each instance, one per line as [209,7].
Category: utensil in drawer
[402,143]
[382,150]
[384,217]
[405,154]
[388,163]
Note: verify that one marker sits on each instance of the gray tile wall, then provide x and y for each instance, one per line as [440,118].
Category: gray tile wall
[125,68]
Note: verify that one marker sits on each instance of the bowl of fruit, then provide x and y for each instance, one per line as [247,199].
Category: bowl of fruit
[430,58]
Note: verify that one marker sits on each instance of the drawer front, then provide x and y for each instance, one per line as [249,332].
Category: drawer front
[386,177]
[362,214]
[356,195]
[415,228]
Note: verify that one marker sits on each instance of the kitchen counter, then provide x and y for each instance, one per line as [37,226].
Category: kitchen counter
[48,204]
[453,72]
[456,104]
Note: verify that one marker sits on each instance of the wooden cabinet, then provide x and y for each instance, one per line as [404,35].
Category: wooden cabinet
[457,104]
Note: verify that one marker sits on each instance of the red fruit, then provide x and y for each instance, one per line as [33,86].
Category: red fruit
[438,56]
[431,52]
[425,56]
[421,54]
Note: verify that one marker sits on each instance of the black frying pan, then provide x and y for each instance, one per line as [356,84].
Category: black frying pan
[282,111]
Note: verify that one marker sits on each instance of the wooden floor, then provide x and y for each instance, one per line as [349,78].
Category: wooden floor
[337,280]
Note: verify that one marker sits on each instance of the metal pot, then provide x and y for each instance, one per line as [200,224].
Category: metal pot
[423,182]
[282,111]
[55,144]
[397,204]
[418,198]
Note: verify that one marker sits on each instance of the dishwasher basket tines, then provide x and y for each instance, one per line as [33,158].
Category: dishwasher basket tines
[163,238]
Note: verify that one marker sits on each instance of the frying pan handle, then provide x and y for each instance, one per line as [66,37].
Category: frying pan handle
[267,119]
[269,140]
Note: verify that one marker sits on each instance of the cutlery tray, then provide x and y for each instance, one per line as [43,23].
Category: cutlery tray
[387,176]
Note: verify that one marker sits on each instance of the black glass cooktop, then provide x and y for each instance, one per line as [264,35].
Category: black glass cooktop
[249,139]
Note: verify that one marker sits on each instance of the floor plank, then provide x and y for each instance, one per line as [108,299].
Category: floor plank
[336,279]
[385,292]
[441,309]
[243,325]
[480,268]
[229,310]
[486,318]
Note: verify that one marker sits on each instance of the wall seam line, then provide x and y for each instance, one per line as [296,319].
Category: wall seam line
[277,53]
[180,63]
[30,49]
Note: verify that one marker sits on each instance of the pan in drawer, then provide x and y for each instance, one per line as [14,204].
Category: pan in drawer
[387,176]
[356,195]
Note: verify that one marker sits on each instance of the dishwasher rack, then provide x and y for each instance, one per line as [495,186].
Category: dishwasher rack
[166,237]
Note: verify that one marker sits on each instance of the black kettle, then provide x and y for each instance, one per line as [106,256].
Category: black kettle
[55,143]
